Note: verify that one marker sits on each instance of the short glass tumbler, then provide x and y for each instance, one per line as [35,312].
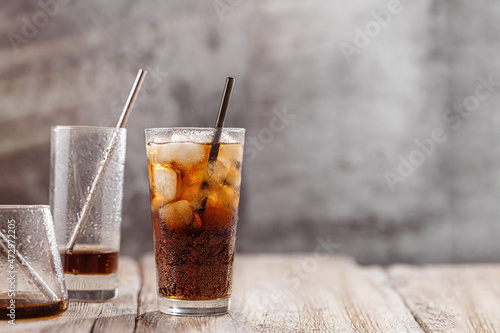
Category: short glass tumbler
[194,183]
[77,155]
[31,275]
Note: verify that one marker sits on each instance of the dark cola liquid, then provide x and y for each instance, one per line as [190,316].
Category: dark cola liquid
[32,308]
[194,209]
[93,262]
[194,264]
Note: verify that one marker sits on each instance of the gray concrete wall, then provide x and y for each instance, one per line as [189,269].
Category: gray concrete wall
[356,104]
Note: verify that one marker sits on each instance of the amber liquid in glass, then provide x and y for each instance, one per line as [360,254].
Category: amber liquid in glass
[90,261]
[30,308]
[194,209]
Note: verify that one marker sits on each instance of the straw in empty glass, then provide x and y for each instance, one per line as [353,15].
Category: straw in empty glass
[97,180]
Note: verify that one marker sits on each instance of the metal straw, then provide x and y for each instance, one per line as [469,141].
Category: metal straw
[28,270]
[214,150]
[97,182]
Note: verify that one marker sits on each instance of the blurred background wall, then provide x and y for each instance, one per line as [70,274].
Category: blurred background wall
[372,125]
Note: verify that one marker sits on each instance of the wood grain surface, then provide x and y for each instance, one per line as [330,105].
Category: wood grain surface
[463,298]
[315,294]
[302,293]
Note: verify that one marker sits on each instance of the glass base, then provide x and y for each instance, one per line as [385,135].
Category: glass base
[179,307]
[91,288]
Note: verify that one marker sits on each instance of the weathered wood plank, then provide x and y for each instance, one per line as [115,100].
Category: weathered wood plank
[444,298]
[299,293]
[117,315]
[316,293]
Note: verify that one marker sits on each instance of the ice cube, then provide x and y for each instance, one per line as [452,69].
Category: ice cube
[177,214]
[165,183]
[217,172]
[231,152]
[233,177]
[229,197]
[188,154]
[184,154]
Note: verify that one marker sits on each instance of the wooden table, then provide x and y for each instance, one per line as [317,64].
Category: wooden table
[303,293]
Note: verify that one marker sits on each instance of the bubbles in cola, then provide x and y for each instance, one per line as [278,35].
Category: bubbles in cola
[194,209]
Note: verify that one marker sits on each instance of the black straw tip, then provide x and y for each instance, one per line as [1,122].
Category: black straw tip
[226,95]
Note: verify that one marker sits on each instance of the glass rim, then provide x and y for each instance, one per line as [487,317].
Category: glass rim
[5,207]
[87,127]
[224,129]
